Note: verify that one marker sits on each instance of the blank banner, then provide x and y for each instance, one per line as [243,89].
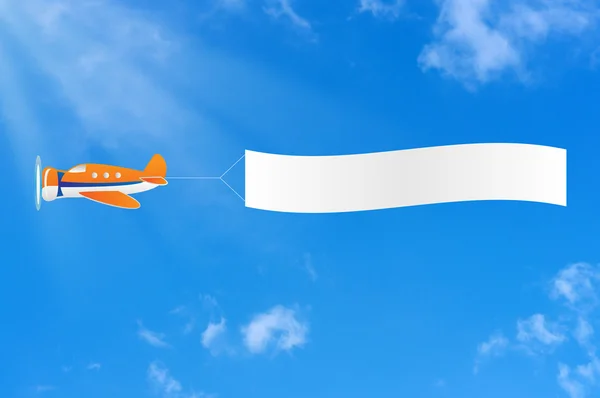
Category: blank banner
[383,180]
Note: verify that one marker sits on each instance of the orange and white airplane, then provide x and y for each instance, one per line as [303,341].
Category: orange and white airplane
[109,185]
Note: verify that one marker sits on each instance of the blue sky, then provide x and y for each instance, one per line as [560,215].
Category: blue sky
[196,296]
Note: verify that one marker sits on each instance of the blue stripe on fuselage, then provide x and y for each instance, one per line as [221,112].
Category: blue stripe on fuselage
[96,184]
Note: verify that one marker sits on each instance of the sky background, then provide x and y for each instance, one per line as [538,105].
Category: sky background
[195,296]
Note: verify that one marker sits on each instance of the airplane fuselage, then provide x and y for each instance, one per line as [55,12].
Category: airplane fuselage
[59,184]
[74,191]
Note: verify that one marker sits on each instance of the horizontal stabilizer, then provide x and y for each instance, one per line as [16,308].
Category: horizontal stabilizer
[154,180]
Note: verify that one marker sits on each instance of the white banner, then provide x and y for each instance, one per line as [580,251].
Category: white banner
[455,173]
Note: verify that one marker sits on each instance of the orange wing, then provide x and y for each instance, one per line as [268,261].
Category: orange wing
[112,198]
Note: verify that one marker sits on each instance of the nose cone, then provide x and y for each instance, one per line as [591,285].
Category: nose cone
[49,184]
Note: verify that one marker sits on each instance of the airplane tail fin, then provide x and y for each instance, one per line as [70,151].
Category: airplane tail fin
[156,167]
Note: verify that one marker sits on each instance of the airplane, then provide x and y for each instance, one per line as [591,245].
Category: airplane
[105,184]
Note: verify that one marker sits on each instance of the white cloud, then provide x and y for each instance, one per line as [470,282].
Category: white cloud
[167,386]
[534,333]
[537,329]
[155,339]
[94,366]
[211,335]
[577,284]
[572,387]
[44,388]
[160,378]
[496,345]
[583,332]
[310,269]
[279,326]
[189,326]
[590,370]
[209,302]
[283,8]
[466,46]
[553,16]
[477,40]
[178,310]
[184,311]
[382,8]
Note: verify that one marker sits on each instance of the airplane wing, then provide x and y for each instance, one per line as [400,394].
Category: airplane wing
[112,198]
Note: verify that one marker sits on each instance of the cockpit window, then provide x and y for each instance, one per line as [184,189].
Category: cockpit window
[78,169]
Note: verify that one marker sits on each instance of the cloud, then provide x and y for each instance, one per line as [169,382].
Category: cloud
[155,339]
[477,41]
[583,332]
[43,388]
[94,366]
[537,329]
[184,311]
[167,386]
[189,326]
[534,333]
[382,8]
[283,8]
[308,266]
[163,382]
[178,310]
[211,334]
[278,326]
[496,345]
[590,370]
[577,285]
[572,387]
[209,302]
[466,46]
